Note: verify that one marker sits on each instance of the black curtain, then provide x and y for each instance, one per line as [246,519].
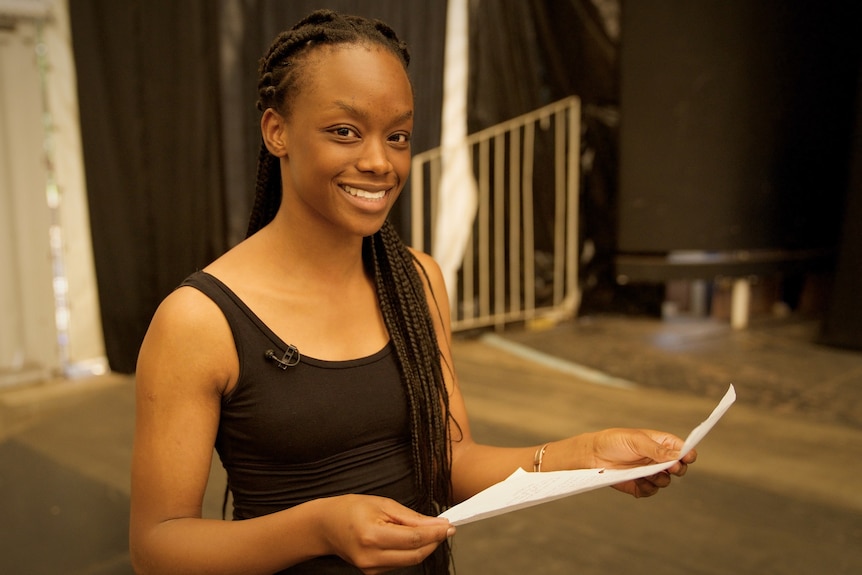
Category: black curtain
[170,133]
[525,54]
[147,73]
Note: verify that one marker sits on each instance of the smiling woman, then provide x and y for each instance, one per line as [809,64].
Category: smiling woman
[316,354]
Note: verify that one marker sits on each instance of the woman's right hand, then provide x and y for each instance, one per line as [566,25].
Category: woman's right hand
[377,534]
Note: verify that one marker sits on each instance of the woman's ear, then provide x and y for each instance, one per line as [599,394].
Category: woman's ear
[273,128]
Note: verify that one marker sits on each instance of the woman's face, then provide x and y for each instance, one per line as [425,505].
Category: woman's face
[348,138]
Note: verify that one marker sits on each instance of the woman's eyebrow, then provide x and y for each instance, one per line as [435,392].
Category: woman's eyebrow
[352,110]
[363,115]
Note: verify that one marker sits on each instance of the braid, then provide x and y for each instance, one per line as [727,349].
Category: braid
[279,76]
[404,305]
[268,186]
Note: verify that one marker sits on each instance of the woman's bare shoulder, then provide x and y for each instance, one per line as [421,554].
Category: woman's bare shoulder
[187,309]
[188,336]
[428,265]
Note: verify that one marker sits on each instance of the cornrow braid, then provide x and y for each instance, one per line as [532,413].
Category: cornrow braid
[279,76]
[400,289]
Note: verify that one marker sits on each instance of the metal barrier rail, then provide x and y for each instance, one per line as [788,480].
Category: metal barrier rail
[508,274]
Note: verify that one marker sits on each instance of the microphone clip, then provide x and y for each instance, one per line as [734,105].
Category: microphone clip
[288,359]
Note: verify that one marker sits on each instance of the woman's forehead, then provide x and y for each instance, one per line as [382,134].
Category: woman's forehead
[359,74]
[363,54]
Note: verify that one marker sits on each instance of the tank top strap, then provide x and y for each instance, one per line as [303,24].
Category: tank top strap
[237,313]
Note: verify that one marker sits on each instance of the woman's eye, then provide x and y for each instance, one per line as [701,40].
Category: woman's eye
[400,138]
[344,132]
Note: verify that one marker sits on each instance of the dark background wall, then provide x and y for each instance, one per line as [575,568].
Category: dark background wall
[737,119]
[737,135]
[842,324]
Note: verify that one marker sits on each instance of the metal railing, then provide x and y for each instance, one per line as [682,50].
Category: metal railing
[521,261]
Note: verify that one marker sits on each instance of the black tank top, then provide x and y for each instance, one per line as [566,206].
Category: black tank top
[289,434]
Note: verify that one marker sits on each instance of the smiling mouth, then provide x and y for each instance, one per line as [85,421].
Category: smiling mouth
[366,194]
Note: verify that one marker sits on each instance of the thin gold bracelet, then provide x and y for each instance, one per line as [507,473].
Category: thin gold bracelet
[537,459]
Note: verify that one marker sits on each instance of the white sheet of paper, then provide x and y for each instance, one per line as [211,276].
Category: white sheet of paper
[523,489]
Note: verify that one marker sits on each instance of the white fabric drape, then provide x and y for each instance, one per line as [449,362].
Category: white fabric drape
[45,247]
[458,193]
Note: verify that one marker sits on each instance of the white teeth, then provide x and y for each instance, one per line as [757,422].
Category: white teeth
[364,193]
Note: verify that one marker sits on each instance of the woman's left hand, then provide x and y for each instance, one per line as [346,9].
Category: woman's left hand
[625,448]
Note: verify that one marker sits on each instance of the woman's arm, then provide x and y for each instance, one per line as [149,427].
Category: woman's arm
[186,362]
[476,466]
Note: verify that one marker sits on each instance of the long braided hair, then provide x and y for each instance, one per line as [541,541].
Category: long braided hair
[400,289]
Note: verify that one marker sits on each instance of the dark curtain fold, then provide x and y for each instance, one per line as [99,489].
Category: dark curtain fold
[170,133]
[525,54]
[147,85]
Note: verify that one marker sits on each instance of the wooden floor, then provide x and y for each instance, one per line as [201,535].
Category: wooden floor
[776,488]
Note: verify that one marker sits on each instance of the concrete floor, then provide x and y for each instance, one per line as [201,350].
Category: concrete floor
[776,488]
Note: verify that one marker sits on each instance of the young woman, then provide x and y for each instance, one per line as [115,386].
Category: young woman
[315,355]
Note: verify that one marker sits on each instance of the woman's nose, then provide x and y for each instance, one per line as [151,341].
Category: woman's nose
[375,157]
